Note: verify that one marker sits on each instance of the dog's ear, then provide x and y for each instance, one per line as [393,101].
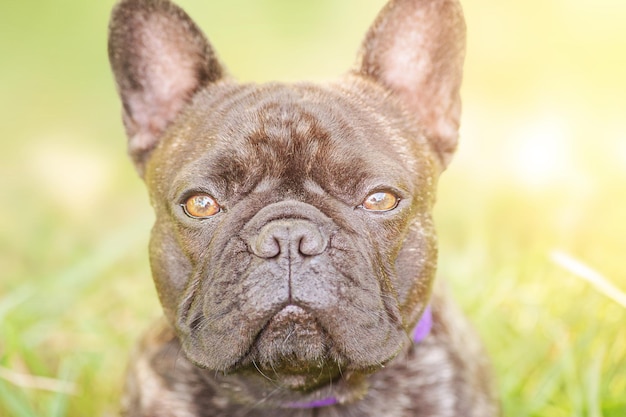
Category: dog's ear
[160,60]
[416,49]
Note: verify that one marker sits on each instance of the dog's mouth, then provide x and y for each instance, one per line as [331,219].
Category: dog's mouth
[294,350]
[292,333]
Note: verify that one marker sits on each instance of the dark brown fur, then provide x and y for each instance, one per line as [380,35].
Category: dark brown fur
[294,292]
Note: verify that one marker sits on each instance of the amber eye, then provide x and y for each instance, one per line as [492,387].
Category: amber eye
[201,206]
[381,201]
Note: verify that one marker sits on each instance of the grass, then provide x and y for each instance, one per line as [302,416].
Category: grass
[540,169]
[558,344]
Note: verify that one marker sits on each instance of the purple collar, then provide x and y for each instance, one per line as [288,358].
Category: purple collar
[421,331]
[424,326]
[324,402]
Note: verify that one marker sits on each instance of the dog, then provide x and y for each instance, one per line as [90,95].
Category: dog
[294,251]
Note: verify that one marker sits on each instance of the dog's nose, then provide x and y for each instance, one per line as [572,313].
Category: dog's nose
[292,238]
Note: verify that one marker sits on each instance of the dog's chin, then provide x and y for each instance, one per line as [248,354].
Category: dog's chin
[293,350]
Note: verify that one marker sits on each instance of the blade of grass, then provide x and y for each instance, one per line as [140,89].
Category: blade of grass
[58,405]
[36,382]
[579,269]
[594,379]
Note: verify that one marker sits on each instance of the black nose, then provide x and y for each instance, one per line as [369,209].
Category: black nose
[291,238]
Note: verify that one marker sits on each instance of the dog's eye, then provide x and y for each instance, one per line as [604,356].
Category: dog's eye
[201,206]
[381,201]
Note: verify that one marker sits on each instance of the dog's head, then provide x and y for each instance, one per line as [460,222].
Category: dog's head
[293,228]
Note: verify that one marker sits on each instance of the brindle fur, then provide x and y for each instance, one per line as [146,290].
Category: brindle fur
[245,333]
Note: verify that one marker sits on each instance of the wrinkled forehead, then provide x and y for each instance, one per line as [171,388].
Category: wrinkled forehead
[294,134]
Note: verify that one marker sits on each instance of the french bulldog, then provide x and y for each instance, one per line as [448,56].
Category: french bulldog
[294,251]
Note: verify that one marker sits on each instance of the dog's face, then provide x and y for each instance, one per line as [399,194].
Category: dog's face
[293,231]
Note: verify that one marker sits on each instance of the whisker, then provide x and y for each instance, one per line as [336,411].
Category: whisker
[261,372]
[261,401]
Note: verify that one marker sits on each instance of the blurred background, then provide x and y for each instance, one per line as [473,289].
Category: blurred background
[531,214]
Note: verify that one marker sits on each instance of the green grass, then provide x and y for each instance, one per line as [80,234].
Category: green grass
[558,345]
[541,168]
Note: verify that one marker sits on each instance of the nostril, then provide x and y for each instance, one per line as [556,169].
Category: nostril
[266,245]
[311,244]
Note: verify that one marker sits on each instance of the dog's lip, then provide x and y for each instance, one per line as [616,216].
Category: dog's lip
[293,311]
[292,314]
